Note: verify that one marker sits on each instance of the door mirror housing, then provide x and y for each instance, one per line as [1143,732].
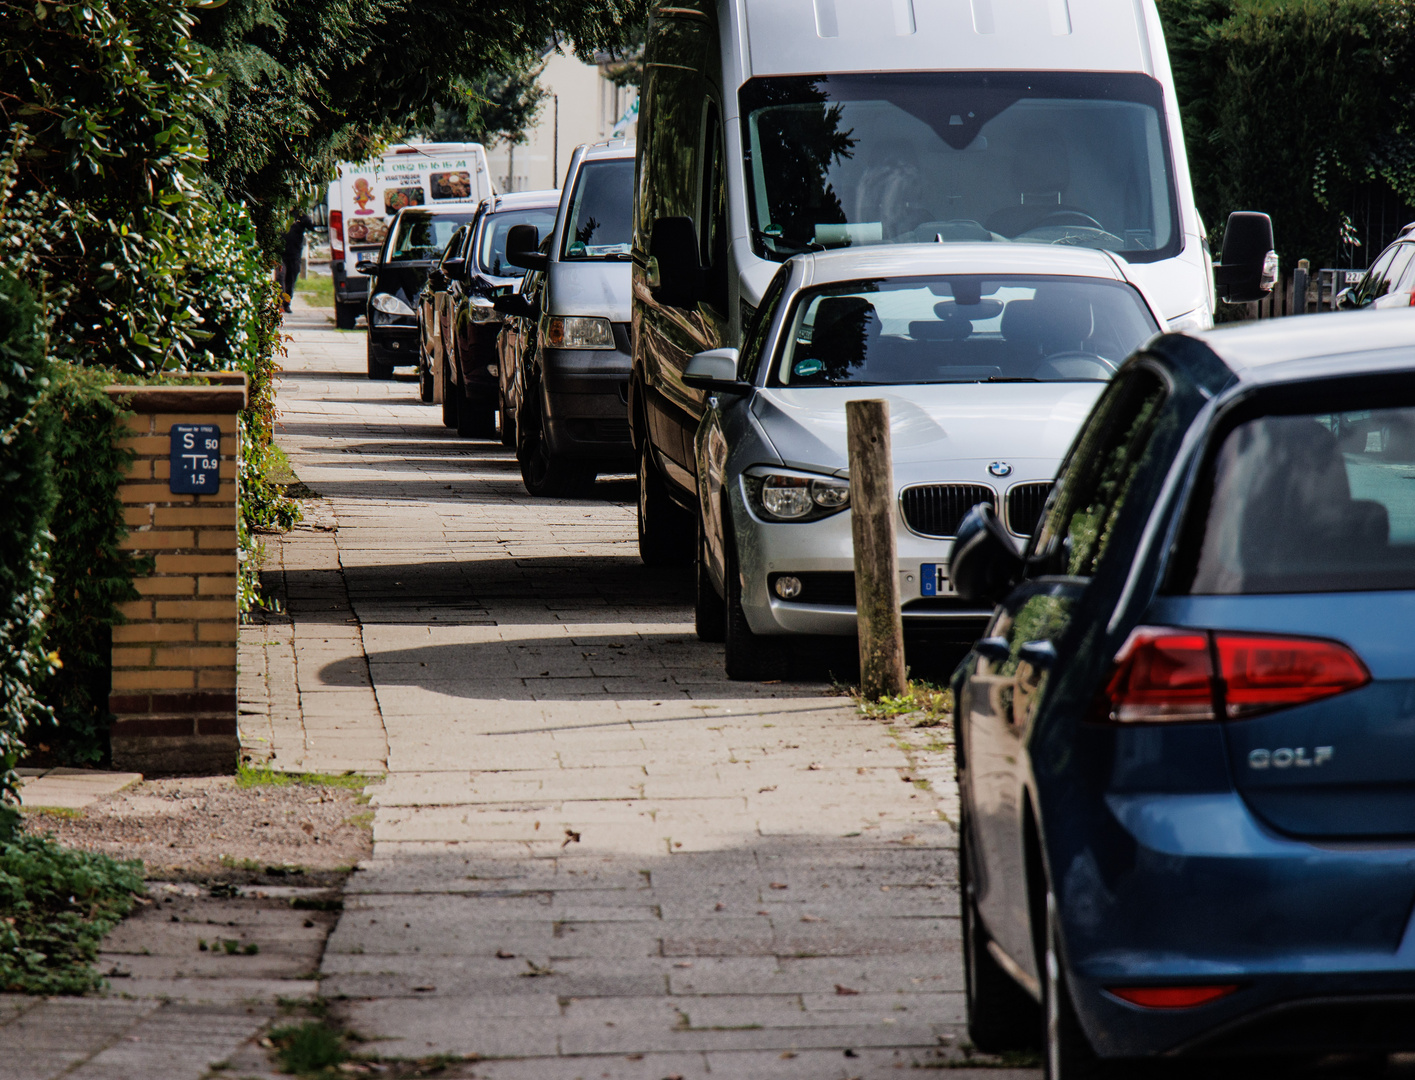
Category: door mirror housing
[513,304]
[983,564]
[521,244]
[454,269]
[674,273]
[715,371]
[1248,267]
[365,264]
[1346,299]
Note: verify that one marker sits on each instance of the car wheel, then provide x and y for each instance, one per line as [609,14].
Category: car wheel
[377,370]
[345,315]
[709,614]
[665,529]
[451,395]
[747,655]
[1001,1015]
[475,419]
[425,386]
[543,473]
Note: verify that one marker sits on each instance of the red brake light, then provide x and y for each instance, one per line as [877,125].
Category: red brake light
[1170,997]
[1262,673]
[1167,674]
[336,234]
[1161,674]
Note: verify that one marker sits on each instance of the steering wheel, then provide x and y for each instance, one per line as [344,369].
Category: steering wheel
[1059,362]
[1067,217]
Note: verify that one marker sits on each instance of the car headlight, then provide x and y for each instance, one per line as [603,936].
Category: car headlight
[578,332]
[391,305]
[1191,322]
[786,495]
[481,311]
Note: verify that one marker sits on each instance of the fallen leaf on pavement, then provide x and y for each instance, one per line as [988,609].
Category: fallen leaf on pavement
[684,964]
[571,837]
[844,991]
[787,1055]
[719,906]
[779,885]
[502,954]
[811,918]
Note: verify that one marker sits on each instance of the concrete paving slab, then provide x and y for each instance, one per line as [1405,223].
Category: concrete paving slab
[71,789]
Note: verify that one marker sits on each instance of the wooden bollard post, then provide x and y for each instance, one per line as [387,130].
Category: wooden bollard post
[876,569]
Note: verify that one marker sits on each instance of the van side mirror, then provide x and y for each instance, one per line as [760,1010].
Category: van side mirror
[983,564]
[674,273]
[715,371]
[1247,269]
[521,244]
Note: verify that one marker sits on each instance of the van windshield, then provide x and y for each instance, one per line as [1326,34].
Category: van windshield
[421,237]
[847,160]
[601,211]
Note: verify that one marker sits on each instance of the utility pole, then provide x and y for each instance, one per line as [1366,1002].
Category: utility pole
[881,627]
[555,151]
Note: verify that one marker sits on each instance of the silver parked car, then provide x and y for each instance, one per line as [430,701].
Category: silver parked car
[990,358]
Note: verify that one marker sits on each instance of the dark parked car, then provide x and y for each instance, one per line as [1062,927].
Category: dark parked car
[1390,282]
[517,334]
[1185,748]
[415,240]
[462,288]
[432,338]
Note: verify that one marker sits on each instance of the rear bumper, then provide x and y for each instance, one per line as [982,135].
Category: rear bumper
[349,288]
[587,398]
[1195,890]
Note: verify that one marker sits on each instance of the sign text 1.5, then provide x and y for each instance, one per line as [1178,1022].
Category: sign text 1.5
[196,459]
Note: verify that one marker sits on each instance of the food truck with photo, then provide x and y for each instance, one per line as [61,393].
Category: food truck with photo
[364,199]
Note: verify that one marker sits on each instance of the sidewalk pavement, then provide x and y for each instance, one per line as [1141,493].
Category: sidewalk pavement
[594,856]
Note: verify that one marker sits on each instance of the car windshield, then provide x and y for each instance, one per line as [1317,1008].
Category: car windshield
[601,211]
[846,160]
[1317,502]
[423,237]
[961,328]
[491,256]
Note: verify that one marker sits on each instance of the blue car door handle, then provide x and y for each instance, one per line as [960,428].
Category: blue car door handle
[995,649]
[1040,654]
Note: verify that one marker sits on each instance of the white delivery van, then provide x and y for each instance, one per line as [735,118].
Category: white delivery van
[769,128]
[364,199]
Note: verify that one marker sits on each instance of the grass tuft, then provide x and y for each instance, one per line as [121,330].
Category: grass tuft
[248,776]
[309,1049]
[930,705]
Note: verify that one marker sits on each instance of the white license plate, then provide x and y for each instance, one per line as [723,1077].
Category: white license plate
[933,580]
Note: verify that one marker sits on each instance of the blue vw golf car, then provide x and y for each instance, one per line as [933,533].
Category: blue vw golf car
[1186,748]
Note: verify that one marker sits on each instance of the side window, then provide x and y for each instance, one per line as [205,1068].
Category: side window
[754,336]
[1096,479]
[454,246]
[712,211]
[1404,256]
[1407,279]
[1370,287]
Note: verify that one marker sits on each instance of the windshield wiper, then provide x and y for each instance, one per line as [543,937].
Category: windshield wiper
[800,246]
[1011,378]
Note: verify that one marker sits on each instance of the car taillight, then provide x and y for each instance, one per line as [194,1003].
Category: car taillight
[1171,674]
[1265,673]
[1171,997]
[336,234]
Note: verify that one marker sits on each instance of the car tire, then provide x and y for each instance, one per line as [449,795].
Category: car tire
[425,386]
[345,315]
[505,424]
[475,419]
[665,529]
[544,474]
[709,612]
[1002,1017]
[377,370]
[746,655]
[451,396]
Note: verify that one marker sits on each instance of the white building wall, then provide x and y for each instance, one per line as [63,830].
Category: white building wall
[580,106]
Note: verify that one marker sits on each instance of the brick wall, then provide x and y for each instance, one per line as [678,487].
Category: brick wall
[174,660]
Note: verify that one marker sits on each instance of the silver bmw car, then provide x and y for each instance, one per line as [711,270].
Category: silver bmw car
[990,357]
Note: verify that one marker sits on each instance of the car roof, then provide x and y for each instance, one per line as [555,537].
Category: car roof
[609,149]
[1315,346]
[908,260]
[438,211]
[523,200]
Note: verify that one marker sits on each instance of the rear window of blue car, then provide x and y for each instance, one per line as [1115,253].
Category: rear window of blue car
[1308,502]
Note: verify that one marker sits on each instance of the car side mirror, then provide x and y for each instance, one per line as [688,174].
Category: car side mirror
[1247,269]
[365,265]
[674,273]
[983,564]
[521,244]
[715,371]
[454,269]
[1346,299]
[513,304]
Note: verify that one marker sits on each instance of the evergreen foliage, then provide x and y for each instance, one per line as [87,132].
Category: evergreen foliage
[1297,108]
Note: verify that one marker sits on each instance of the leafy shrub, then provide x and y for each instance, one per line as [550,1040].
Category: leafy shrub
[58,904]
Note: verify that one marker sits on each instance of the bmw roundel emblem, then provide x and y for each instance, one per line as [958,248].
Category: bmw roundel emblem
[1000,468]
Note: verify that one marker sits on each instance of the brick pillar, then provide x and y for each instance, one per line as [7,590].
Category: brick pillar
[174,660]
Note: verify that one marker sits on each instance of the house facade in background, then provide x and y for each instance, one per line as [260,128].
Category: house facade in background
[581,105]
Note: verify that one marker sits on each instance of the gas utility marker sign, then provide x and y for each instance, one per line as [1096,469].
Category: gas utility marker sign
[196,459]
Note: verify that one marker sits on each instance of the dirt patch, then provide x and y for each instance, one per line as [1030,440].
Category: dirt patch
[204,828]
